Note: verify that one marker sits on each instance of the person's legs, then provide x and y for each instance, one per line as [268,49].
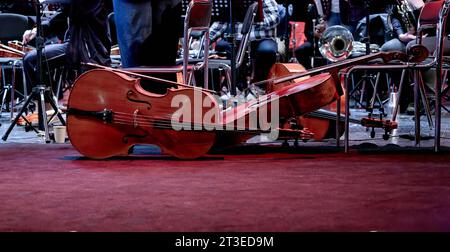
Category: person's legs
[29,67]
[161,47]
[304,53]
[133,25]
[224,47]
[148,32]
[265,57]
[334,19]
[430,44]
[393,45]
[52,55]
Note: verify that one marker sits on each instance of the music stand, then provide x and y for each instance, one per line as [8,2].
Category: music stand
[236,13]
[367,38]
[367,77]
[228,11]
[40,91]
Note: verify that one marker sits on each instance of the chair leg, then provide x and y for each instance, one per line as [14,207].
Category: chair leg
[416,107]
[445,90]
[228,78]
[213,85]
[25,84]
[355,91]
[399,95]
[191,78]
[425,102]
[375,91]
[5,92]
[13,88]
[4,89]
[59,86]
[437,110]
[363,90]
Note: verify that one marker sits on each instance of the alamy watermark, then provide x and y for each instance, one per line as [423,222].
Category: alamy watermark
[200,112]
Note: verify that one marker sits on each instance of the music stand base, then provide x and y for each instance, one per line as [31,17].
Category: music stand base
[41,93]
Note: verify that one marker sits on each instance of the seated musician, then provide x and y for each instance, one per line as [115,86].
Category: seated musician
[403,33]
[87,40]
[429,40]
[262,36]
[305,51]
[406,37]
[333,12]
[327,13]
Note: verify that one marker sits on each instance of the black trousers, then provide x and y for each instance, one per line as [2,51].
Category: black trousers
[53,55]
[148,31]
[304,53]
[263,53]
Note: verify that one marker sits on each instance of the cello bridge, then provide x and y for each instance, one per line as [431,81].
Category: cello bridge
[135,117]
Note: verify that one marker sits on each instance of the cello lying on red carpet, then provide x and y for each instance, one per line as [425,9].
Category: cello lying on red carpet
[109,111]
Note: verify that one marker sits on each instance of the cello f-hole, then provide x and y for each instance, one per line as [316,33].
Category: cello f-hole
[131,93]
[128,136]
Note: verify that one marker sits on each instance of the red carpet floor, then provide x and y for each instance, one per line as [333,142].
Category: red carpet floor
[51,188]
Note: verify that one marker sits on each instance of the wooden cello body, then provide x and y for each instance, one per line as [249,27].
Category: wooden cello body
[320,127]
[299,98]
[109,112]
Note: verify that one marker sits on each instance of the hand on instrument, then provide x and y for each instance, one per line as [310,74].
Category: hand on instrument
[216,56]
[195,45]
[319,29]
[28,35]
[406,37]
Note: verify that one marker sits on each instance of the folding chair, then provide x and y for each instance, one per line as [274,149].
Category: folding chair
[13,27]
[433,16]
[225,64]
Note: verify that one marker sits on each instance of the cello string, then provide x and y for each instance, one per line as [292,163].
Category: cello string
[132,116]
[140,118]
[188,124]
[157,122]
[166,125]
[166,122]
[169,125]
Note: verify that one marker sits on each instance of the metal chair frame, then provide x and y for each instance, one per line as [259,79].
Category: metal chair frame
[437,62]
[15,27]
[226,64]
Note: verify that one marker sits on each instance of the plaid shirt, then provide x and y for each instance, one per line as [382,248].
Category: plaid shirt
[260,30]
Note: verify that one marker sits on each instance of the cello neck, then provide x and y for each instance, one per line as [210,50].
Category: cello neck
[385,56]
[329,115]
